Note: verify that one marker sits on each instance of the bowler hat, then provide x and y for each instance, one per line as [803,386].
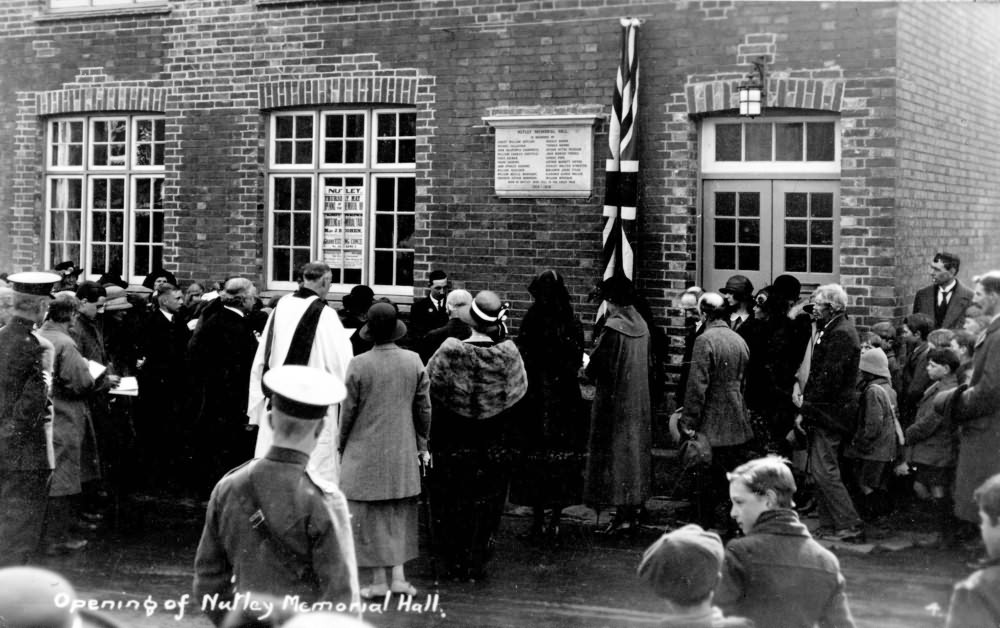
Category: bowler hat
[383,324]
[359,298]
[683,566]
[740,286]
[786,287]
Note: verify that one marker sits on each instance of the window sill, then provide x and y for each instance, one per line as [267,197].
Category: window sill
[278,3]
[95,14]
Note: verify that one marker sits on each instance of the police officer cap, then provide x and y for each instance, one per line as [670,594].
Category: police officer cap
[303,392]
[33,283]
[325,619]
[29,596]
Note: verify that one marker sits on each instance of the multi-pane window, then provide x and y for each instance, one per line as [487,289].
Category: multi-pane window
[342,190]
[775,141]
[809,224]
[104,193]
[737,230]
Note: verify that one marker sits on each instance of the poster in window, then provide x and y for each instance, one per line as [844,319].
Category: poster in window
[343,226]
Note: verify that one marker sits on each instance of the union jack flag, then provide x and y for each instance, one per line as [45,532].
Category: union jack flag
[621,189]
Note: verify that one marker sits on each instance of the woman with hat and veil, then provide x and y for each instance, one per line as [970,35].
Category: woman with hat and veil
[474,384]
[384,426]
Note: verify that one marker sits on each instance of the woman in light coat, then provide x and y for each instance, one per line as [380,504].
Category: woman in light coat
[384,426]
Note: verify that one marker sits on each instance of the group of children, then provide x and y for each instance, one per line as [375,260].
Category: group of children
[905,436]
[777,574]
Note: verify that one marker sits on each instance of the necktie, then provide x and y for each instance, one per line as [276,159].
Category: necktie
[943,297]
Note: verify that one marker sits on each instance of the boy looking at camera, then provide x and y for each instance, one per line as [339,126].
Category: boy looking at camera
[777,574]
[975,601]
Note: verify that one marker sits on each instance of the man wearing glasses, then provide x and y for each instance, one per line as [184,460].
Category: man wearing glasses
[829,406]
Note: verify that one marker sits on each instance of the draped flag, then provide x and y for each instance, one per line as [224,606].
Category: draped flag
[621,189]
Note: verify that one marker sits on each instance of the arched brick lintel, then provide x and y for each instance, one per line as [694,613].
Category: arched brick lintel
[401,90]
[822,94]
[101,98]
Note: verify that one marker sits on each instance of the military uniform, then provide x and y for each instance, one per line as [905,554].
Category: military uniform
[273,525]
[24,462]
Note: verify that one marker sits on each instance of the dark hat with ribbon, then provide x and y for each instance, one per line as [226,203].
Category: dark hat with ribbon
[359,299]
[383,324]
[37,284]
[739,286]
[303,392]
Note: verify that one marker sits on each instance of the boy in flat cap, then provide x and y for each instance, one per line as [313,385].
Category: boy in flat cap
[280,529]
[777,574]
[24,462]
[683,567]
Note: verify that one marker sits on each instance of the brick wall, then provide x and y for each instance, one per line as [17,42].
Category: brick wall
[218,59]
[949,129]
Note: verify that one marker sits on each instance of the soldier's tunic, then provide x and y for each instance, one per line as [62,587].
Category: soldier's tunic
[24,464]
[306,515]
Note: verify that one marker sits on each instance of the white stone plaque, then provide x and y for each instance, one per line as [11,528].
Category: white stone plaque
[543,156]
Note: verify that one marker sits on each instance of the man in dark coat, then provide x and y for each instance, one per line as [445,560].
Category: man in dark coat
[457,304]
[829,409]
[979,406]
[219,357]
[946,300]
[271,526]
[430,313]
[24,464]
[162,344]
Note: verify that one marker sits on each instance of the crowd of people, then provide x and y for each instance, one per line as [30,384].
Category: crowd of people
[350,415]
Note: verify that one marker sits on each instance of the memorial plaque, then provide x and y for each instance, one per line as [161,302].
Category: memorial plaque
[543,158]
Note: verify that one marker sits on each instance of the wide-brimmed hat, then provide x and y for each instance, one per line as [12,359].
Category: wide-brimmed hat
[383,324]
[116,299]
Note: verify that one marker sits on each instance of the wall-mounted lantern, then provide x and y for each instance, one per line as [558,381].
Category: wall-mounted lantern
[752,94]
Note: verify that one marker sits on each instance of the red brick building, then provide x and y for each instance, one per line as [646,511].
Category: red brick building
[224,137]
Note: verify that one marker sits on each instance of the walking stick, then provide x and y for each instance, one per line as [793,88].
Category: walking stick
[425,503]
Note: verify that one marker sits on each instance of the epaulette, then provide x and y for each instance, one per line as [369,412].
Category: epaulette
[324,484]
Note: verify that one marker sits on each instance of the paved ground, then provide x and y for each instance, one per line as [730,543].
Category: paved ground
[578,582]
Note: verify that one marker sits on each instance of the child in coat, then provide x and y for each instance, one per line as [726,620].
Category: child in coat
[875,442]
[932,444]
[975,601]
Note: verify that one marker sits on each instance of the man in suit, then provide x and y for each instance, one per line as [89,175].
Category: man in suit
[457,304]
[829,407]
[219,357]
[713,401]
[978,412]
[162,343]
[24,464]
[430,313]
[947,299]
[272,526]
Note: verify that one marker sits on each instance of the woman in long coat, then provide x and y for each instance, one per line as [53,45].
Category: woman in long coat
[551,425]
[72,383]
[384,426]
[620,446]
[475,384]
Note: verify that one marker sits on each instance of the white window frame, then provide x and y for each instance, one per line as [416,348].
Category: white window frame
[709,166]
[86,172]
[318,171]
